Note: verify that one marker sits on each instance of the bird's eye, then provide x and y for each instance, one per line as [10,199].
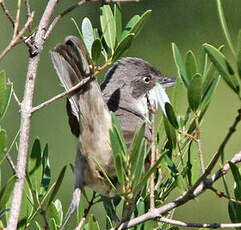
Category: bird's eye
[147,79]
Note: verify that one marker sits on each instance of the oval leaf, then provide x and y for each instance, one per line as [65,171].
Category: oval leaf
[124,44]
[195,92]
[88,34]
[191,64]
[108,26]
[223,67]
[118,20]
[171,115]
[96,50]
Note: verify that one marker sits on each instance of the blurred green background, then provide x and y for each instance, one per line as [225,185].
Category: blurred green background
[187,23]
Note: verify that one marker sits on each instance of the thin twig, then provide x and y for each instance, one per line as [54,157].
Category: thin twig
[201,184]
[28,10]
[198,140]
[222,195]
[17,20]
[86,212]
[59,17]
[16,39]
[198,225]
[11,163]
[14,94]
[5,10]
[81,83]
[153,160]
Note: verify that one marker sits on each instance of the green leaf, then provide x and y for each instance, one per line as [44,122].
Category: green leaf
[96,50]
[177,94]
[135,24]
[80,212]
[108,222]
[202,63]
[118,20]
[236,176]
[148,174]
[140,210]
[3,213]
[27,206]
[6,191]
[108,26]
[224,26]
[57,185]
[191,65]
[171,133]
[194,92]
[239,54]
[3,140]
[193,163]
[38,225]
[171,115]
[93,224]
[122,46]
[56,212]
[9,91]
[210,90]
[180,184]
[136,146]
[180,65]
[46,172]
[35,167]
[88,34]
[52,224]
[224,68]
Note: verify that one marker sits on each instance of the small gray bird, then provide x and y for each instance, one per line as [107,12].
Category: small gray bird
[126,91]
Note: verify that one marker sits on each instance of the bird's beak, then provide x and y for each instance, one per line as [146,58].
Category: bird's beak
[167,82]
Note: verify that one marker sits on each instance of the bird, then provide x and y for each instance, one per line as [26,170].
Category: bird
[127,91]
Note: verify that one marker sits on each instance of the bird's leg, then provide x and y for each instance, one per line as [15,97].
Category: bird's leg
[73,206]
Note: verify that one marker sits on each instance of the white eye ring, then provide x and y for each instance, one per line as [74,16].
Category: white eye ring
[147,79]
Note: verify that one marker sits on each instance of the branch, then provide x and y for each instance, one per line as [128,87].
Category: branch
[26,108]
[157,212]
[15,95]
[197,225]
[77,86]
[16,39]
[6,12]
[16,24]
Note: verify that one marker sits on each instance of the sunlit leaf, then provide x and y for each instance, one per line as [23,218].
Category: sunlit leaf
[108,26]
[56,212]
[123,46]
[52,224]
[87,33]
[118,20]
[93,224]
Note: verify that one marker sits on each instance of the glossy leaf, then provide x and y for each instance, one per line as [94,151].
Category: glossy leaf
[180,65]
[56,212]
[38,225]
[136,23]
[93,224]
[87,33]
[118,20]
[35,167]
[108,26]
[96,50]
[191,64]
[6,191]
[171,115]
[57,185]
[224,26]
[171,133]
[123,46]
[3,140]
[195,92]
[224,68]
[52,224]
